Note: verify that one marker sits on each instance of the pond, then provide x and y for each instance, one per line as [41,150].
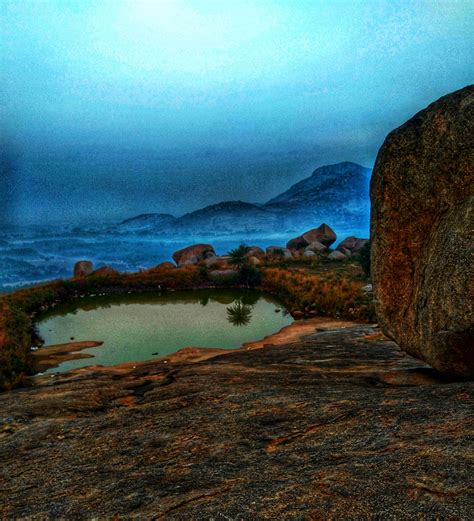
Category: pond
[140,327]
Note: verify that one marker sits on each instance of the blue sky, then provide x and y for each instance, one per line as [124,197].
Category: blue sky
[111,108]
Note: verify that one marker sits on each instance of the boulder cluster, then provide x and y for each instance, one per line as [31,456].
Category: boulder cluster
[313,243]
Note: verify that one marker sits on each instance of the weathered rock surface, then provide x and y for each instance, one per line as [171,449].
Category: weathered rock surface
[316,247]
[323,234]
[337,255]
[351,244]
[83,268]
[422,223]
[256,251]
[193,254]
[338,426]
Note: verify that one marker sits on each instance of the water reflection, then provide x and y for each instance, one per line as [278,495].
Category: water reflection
[239,314]
[138,327]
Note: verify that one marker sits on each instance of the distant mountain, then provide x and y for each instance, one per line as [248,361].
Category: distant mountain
[229,216]
[336,194]
[332,193]
[151,221]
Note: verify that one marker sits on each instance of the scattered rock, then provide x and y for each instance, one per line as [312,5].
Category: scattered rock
[309,253]
[278,251]
[336,255]
[297,314]
[368,288]
[212,260]
[316,247]
[83,269]
[351,245]
[422,196]
[323,234]
[255,251]
[254,260]
[193,254]
[298,243]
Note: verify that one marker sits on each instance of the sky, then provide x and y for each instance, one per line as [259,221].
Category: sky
[113,108]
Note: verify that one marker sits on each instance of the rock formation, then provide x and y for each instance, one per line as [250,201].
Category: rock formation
[337,255]
[83,268]
[316,247]
[351,245]
[422,194]
[323,234]
[338,425]
[193,254]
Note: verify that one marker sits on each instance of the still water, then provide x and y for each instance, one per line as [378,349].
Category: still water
[141,327]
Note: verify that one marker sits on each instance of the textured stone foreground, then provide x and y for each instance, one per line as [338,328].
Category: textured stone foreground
[335,426]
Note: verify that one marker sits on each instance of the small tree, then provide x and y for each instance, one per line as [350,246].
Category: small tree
[239,256]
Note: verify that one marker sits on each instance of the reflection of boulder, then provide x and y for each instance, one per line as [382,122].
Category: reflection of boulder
[83,268]
[422,195]
[222,298]
[193,254]
[250,298]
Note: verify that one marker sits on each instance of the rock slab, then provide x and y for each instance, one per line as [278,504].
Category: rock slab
[422,198]
[336,426]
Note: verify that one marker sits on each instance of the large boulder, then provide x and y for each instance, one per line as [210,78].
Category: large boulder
[323,234]
[83,268]
[298,243]
[193,254]
[422,197]
[351,245]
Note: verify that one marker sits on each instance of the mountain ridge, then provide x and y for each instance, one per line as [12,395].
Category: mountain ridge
[336,193]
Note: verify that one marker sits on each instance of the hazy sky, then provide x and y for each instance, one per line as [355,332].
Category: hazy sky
[112,108]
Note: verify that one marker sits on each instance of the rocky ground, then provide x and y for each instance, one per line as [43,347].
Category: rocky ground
[337,425]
